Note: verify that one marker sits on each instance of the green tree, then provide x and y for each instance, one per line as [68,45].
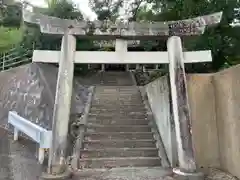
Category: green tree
[11,15]
[9,37]
[63,9]
[106,9]
[57,8]
[222,39]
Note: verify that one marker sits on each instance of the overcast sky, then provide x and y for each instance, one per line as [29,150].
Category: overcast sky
[82,4]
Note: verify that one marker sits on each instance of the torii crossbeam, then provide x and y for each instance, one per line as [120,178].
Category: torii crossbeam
[69,29]
[119,29]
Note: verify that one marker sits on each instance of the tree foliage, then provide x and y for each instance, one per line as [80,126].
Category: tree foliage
[63,9]
[10,15]
[223,40]
[106,9]
[9,37]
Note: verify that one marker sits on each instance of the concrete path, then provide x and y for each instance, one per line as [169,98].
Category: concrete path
[143,174]
[17,159]
[156,173]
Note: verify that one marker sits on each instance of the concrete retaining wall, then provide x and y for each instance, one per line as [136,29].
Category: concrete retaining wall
[204,123]
[215,110]
[227,93]
[215,113]
[30,91]
[158,97]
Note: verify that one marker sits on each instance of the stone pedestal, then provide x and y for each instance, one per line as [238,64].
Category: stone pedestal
[66,175]
[137,66]
[181,175]
[127,67]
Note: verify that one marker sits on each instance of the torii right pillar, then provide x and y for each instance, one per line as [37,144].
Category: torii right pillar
[181,112]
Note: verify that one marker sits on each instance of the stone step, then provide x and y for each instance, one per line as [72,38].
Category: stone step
[116,116]
[118,79]
[114,104]
[93,109]
[118,128]
[120,152]
[118,122]
[133,93]
[119,136]
[115,100]
[119,94]
[111,89]
[120,162]
[117,112]
[118,108]
[103,144]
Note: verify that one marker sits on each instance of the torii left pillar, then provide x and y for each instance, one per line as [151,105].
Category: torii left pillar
[58,165]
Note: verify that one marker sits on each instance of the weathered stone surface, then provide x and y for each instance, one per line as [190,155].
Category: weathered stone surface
[25,91]
[216,174]
[112,43]
[143,173]
[158,96]
[108,29]
[180,105]
[30,91]
[129,173]
[193,26]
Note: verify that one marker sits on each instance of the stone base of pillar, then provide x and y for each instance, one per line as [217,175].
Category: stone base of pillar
[181,175]
[63,176]
[137,67]
[127,67]
[103,67]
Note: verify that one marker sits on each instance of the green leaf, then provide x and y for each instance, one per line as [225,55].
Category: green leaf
[9,37]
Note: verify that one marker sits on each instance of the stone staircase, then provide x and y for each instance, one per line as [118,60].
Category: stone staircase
[118,132]
[108,79]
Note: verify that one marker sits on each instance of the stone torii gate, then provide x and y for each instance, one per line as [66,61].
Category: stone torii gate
[121,32]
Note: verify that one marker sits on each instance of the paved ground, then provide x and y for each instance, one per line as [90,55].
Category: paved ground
[143,174]
[215,174]
[17,159]
[157,173]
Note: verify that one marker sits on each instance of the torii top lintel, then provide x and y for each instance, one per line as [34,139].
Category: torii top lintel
[120,29]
